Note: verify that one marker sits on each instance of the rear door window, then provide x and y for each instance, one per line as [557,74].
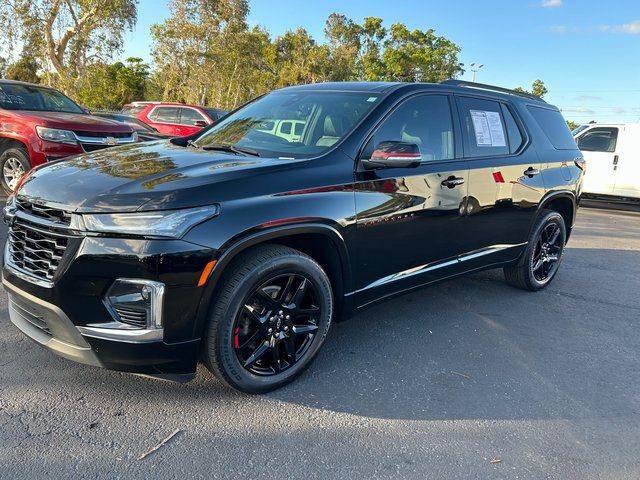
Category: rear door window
[483,127]
[602,139]
[554,127]
[165,115]
[189,116]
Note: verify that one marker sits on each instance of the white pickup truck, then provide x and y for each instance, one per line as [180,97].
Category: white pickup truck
[612,152]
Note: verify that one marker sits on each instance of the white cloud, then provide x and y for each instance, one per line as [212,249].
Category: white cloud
[632,28]
[586,98]
[578,110]
[551,3]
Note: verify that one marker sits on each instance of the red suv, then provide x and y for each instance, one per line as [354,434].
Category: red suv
[39,124]
[174,119]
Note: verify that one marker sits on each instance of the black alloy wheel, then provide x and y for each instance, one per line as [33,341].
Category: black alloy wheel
[545,255]
[270,316]
[541,260]
[277,324]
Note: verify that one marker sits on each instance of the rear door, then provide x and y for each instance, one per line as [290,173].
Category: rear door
[165,119]
[188,119]
[601,150]
[628,166]
[505,184]
[410,221]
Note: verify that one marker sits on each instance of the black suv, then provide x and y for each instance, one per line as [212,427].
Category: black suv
[240,245]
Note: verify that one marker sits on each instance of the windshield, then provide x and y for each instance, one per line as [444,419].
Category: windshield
[290,125]
[27,97]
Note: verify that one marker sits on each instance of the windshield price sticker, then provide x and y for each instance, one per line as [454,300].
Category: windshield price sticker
[488,128]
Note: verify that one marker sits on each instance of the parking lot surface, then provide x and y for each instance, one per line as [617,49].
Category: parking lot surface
[466,379]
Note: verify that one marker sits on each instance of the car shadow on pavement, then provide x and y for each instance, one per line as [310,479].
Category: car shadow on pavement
[471,348]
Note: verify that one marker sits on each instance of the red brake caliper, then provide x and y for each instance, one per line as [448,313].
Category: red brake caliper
[236,338]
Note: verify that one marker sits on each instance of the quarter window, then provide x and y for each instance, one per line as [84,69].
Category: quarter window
[425,121]
[514,135]
[483,126]
[165,114]
[599,140]
[188,116]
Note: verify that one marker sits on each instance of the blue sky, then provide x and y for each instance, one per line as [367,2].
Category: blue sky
[586,51]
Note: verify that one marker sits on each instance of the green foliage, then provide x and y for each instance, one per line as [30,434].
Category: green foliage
[109,86]
[572,125]
[66,36]
[538,88]
[24,69]
[205,53]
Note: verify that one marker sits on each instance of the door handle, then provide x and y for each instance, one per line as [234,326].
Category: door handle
[452,182]
[530,172]
[615,160]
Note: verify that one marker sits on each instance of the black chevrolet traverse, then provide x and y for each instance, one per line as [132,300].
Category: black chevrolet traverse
[239,246]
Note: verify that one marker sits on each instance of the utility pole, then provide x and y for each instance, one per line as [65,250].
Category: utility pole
[475,68]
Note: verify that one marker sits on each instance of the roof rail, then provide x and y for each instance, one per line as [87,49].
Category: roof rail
[484,86]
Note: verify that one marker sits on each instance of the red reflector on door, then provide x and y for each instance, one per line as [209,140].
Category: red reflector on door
[497,177]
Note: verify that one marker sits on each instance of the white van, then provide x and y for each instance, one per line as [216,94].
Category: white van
[612,152]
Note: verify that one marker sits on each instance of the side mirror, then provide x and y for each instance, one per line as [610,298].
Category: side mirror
[394,155]
[200,123]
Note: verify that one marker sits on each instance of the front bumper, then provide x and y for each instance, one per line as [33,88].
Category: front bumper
[68,314]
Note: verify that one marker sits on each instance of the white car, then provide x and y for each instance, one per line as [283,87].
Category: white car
[612,152]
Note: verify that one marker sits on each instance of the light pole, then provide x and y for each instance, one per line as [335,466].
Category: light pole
[475,68]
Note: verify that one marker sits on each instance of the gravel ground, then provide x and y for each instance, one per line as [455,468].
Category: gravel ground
[467,379]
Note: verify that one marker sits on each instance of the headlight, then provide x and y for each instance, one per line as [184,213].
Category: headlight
[168,223]
[56,135]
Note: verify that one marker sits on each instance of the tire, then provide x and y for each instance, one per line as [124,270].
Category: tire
[547,241]
[13,161]
[251,312]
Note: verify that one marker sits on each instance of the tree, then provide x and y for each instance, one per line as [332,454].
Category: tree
[538,88]
[572,125]
[3,67]
[24,69]
[109,86]
[66,36]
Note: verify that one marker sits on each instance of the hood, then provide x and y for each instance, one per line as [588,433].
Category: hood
[73,121]
[149,176]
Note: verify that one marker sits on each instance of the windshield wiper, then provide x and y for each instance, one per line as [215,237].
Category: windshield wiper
[232,149]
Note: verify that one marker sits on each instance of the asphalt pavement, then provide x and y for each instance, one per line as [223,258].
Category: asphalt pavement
[466,379]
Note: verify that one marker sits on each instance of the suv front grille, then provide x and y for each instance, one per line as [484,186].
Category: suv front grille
[103,135]
[35,250]
[48,213]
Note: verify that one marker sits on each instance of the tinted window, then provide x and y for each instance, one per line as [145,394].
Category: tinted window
[483,127]
[555,128]
[599,140]
[188,116]
[27,97]
[299,129]
[214,113]
[165,114]
[285,128]
[425,121]
[514,135]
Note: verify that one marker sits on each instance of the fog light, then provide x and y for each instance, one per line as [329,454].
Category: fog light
[137,303]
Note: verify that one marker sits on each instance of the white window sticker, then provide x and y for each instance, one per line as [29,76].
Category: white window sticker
[488,129]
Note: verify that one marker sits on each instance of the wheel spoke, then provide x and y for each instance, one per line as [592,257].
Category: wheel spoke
[275,357]
[304,329]
[554,236]
[299,295]
[257,353]
[257,335]
[288,288]
[253,315]
[537,265]
[265,299]
[290,347]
